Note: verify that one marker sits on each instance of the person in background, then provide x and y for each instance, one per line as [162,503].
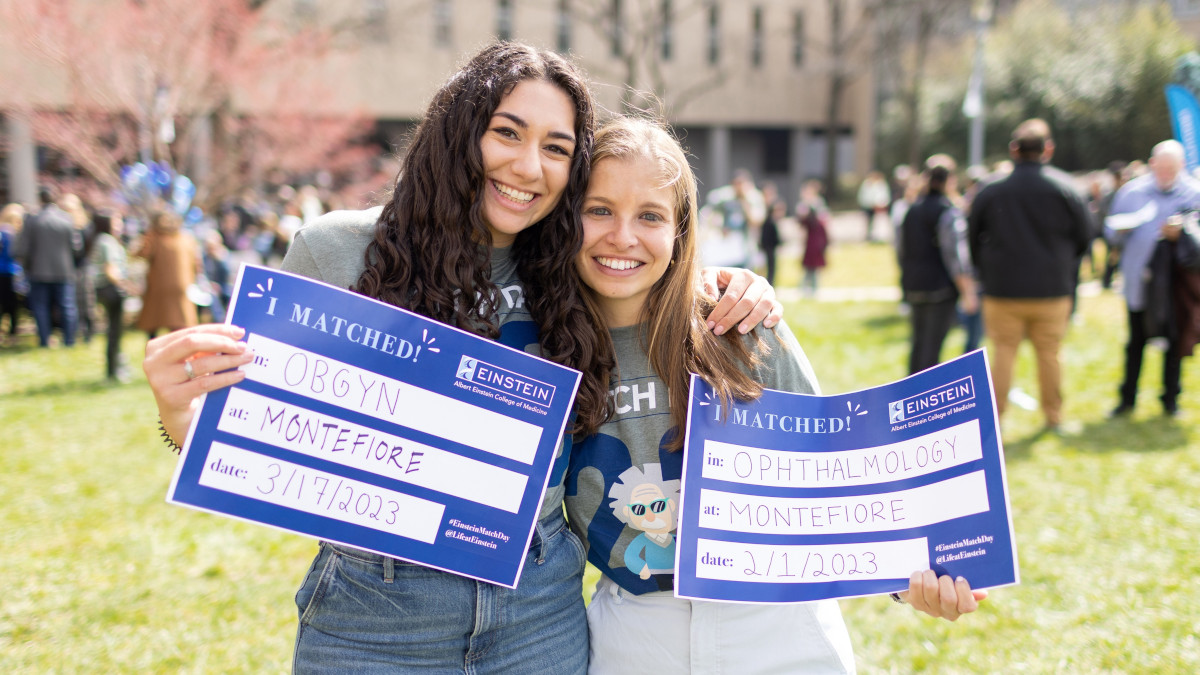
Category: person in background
[173,261]
[218,270]
[272,242]
[11,275]
[1027,231]
[935,264]
[741,210]
[85,292]
[1150,199]
[1112,253]
[47,248]
[111,284]
[902,175]
[769,238]
[874,198]
[638,265]
[814,221]
[972,322]
[292,219]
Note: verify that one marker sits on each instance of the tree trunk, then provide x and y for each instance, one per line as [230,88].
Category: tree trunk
[925,24]
[837,84]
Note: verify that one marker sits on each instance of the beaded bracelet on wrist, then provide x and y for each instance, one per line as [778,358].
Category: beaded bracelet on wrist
[174,447]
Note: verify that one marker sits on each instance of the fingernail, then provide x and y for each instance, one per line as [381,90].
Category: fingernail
[743,329]
[961,579]
[711,324]
[718,330]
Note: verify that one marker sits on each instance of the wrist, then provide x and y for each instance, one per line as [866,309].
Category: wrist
[166,436]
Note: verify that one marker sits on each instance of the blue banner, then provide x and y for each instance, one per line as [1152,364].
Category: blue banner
[794,498]
[371,426]
[1185,122]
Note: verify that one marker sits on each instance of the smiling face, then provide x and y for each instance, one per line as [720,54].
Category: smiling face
[628,235]
[527,152]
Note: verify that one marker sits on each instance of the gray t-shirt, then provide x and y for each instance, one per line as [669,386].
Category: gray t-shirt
[623,485]
[331,249]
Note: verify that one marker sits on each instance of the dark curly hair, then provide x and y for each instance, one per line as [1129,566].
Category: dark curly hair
[431,247]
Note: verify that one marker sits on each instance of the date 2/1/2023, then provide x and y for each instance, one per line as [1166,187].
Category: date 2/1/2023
[317,489]
[730,561]
[810,565]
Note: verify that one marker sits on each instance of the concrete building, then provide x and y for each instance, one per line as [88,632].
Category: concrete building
[745,82]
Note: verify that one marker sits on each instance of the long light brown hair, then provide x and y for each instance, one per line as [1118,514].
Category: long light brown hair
[673,330]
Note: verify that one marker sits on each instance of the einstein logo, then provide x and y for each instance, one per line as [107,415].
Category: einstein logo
[466,368]
[499,380]
[946,396]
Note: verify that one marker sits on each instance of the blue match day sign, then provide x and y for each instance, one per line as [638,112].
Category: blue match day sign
[794,498]
[366,425]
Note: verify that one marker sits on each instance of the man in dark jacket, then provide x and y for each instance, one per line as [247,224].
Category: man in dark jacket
[1027,233]
[935,268]
[47,248]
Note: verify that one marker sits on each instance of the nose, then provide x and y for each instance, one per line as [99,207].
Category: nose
[528,162]
[621,235]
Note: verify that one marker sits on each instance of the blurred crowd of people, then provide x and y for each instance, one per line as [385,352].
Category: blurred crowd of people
[1000,251]
[81,269]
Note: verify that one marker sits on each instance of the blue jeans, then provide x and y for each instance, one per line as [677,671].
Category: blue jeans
[363,613]
[44,297]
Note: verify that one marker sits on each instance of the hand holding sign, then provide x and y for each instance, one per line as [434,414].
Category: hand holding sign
[794,498]
[941,597]
[215,354]
[360,423]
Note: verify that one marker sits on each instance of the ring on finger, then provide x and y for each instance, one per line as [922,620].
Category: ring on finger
[187,368]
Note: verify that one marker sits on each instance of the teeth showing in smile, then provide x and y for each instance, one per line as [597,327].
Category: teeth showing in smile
[514,194]
[618,264]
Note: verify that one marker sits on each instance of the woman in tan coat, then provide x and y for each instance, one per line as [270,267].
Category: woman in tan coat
[172,257]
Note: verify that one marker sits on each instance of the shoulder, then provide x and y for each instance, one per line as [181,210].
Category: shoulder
[783,365]
[1061,179]
[991,189]
[331,248]
[1134,189]
[1190,186]
[335,225]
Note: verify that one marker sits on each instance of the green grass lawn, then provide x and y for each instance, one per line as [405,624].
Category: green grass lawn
[103,576]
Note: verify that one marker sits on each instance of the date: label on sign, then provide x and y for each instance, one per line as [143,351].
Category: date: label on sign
[768,563]
[302,488]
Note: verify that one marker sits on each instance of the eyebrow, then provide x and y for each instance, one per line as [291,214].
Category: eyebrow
[525,125]
[652,204]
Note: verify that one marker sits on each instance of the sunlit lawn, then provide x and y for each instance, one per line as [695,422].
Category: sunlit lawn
[102,576]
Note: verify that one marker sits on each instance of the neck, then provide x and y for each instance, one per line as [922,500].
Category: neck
[619,317]
[619,314]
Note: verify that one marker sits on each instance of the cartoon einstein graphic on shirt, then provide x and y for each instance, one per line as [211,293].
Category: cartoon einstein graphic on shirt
[645,502]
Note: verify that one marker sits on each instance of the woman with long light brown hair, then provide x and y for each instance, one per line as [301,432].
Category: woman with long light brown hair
[638,263]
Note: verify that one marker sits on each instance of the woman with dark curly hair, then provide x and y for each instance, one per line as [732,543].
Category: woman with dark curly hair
[486,208]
